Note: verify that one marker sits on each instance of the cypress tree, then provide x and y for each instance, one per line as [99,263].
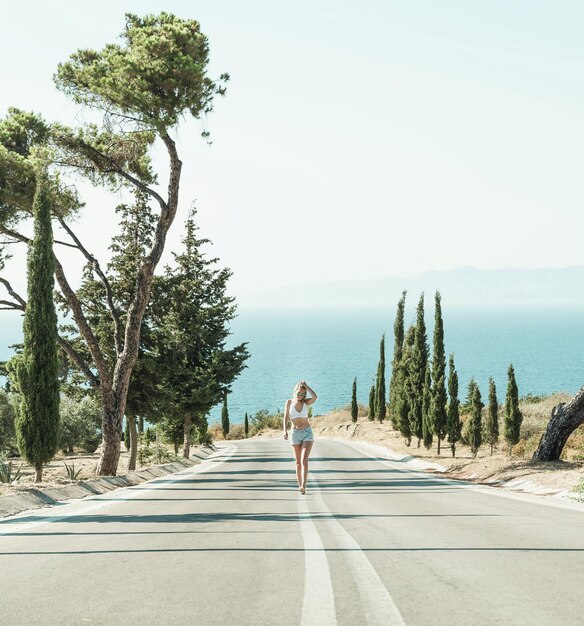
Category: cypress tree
[372,403]
[380,406]
[427,425]
[439,399]
[37,426]
[475,432]
[354,406]
[405,393]
[492,425]
[513,416]
[418,371]
[453,424]
[246,426]
[225,417]
[398,347]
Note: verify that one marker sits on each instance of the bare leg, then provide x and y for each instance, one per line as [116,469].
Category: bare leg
[305,453]
[297,452]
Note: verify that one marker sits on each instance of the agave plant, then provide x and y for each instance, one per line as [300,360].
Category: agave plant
[70,469]
[6,473]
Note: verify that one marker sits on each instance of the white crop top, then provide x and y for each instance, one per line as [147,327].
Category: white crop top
[294,414]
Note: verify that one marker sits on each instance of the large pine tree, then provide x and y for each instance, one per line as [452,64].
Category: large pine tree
[398,347]
[191,305]
[492,421]
[439,399]
[453,423]
[36,370]
[513,416]
[354,405]
[380,405]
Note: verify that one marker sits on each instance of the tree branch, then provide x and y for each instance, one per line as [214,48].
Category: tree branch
[23,239]
[20,301]
[106,284]
[115,169]
[78,360]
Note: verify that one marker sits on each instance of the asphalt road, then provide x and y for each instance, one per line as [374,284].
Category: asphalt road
[233,542]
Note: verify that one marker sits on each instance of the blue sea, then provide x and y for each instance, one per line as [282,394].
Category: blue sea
[328,348]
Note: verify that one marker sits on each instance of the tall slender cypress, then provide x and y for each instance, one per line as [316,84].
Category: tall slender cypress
[405,391]
[475,431]
[246,426]
[398,347]
[513,416]
[418,371]
[372,403]
[427,425]
[439,399]
[492,425]
[225,417]
[354,405]
[453,424]
[36,370]
[380,406]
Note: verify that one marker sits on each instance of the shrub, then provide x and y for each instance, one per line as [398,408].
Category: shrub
[8,412]
[71,473]
[145,455]
[6,475]
[263,419]
[236,431]
[79,422]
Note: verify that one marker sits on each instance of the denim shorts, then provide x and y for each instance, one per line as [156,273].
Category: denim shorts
[300,435]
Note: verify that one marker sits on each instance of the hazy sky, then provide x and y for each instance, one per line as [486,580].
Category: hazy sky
[357,140]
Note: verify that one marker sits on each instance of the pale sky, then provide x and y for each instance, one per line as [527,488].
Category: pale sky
[357,140]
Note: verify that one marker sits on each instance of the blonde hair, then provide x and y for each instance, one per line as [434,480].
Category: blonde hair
[299,387]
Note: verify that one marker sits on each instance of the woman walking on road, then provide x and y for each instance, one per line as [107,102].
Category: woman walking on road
[302,437]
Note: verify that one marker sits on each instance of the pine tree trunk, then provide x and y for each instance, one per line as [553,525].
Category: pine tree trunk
[38,472]
[176,445]
[141,425]
[187,436]
[111,431]
[453,448]
[438,446]
[133,442]
[565,419]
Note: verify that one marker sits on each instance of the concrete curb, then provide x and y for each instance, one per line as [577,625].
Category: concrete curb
[35,499]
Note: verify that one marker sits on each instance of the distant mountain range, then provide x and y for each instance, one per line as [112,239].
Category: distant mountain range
[465,286]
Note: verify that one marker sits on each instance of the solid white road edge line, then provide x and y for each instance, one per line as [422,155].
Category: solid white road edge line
[462,484]
[127,492]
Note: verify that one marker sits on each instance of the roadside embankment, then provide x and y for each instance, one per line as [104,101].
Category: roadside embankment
[27,497]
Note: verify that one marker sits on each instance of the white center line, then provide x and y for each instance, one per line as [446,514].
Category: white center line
[318,606]
[378,605]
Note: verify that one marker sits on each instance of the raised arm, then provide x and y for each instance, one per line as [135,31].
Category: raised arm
[313,395]
[285,419]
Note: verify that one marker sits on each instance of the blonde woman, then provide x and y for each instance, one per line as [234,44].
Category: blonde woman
[302,437]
